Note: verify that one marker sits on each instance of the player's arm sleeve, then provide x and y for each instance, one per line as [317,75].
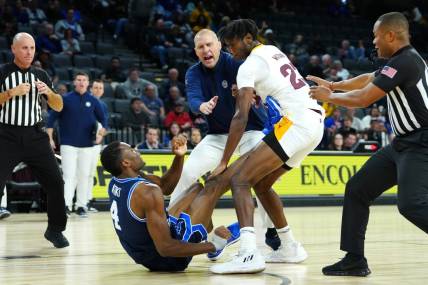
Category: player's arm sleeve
[194,90]
[251,71]
[397,71]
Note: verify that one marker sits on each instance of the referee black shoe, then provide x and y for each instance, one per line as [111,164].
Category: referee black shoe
[272,238]
[57,238]
[350,265]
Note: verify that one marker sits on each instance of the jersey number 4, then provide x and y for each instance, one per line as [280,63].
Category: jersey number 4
[114,215]
[289,69]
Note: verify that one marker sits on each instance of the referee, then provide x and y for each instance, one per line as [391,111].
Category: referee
[404,163]
[22,136]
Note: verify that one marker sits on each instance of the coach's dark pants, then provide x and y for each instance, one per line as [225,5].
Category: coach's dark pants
[403,163]
[31,146]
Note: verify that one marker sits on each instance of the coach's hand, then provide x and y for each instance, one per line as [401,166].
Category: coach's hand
[320,93]
[52,142]
[207,107]
[179,145]
[319,81]
[20,90]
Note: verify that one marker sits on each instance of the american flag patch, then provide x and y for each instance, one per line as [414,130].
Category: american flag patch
[389,71]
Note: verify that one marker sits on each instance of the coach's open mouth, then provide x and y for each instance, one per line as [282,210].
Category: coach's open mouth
[209,57]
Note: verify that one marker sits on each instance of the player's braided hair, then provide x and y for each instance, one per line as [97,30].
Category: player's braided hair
[238,29]
[111,157]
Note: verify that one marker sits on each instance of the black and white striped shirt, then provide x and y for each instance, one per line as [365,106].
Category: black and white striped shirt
[404,79]
[21,110]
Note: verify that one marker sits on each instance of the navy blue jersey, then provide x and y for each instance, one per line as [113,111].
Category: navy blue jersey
[202,84]
[134,235]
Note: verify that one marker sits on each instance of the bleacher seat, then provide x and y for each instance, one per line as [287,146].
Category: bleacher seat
[128,62]
[121,105]
[63,60]
[3,43]
[83,61]
[108,90]
[87,47]
[63,73]
[120,92]
[105,48]
[102,62]
[109,102]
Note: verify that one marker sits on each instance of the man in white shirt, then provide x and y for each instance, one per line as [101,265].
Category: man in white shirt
[299,129]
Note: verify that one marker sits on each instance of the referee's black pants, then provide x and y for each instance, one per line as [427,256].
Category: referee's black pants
[31,146]
[403,163]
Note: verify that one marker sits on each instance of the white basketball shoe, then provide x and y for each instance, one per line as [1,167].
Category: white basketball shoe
[292,252]
[247,262]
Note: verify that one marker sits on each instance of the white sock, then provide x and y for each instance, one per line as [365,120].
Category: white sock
[285,235]
[248,239]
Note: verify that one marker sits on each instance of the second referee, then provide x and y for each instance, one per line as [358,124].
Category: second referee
[22,136]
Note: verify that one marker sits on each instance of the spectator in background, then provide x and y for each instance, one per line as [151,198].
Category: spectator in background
[134,86]
[70,45]
[136,118]
[21,13]
[313,67]
[336,142]
[8,23]
[152,140]
[115,72]
[69,23]
[62,89]
[334,122]
[298,48]
[198,13]
[346,51]
[47,64]
[172,80]
[53,10]
[347,126]
[195,138]
[48,40]
[173,130]
[357,124]
[350,141]
[200,24]
[173,95]
[377,132]
[360,51]
[341,72]
[270,38]
[327,64]
[179,115]
[159,44]
[154,104]
[35,14]
[374,113]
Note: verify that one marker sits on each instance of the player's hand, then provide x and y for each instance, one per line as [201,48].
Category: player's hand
[218,170]
[208,107]
[320,93]
[20,90]
[319,81]
[52,144]
[42,88]
[179,145]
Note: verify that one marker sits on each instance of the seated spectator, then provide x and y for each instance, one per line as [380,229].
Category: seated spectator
[195,138]
[114,73]
[327,64]
[346,51]
[48,41]
[377,132]
[336,142]
[270,38]
[357,124]
[35,14]
[70,45]
[21,13]
[177,37]
[347,126]
[62,89]
[172,80]
[374,113]
[8,23]
[154,104]
[157,40]
[334,122]
[178,115]
[53,10]
[360,51]
[69,23]
[134,86]
[298,48]
[341,72]
[173,130]
[314,67]
[350,141]
[152,140]
[47,64]
[136,118]
[173,95]
[201,23]
[199,12]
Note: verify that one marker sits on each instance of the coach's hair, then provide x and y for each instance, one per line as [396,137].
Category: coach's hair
[395,21]
[111,158]
[98,81]
[81,73]
[238,29]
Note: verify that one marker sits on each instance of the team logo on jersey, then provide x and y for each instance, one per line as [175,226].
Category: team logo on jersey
[389,71]
[88,104]
[224,84]
[116,190]
[278,56]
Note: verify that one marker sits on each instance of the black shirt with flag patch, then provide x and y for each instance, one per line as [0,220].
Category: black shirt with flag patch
[22,110]
[404,80]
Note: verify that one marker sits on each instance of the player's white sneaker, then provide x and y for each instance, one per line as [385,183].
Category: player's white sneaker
[248,262]
[292,252]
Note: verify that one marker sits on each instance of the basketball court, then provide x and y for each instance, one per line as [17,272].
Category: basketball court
[396,250]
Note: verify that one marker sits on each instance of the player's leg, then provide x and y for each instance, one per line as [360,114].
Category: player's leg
[376,176]
[69,155]
[413,187]
[206,155]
